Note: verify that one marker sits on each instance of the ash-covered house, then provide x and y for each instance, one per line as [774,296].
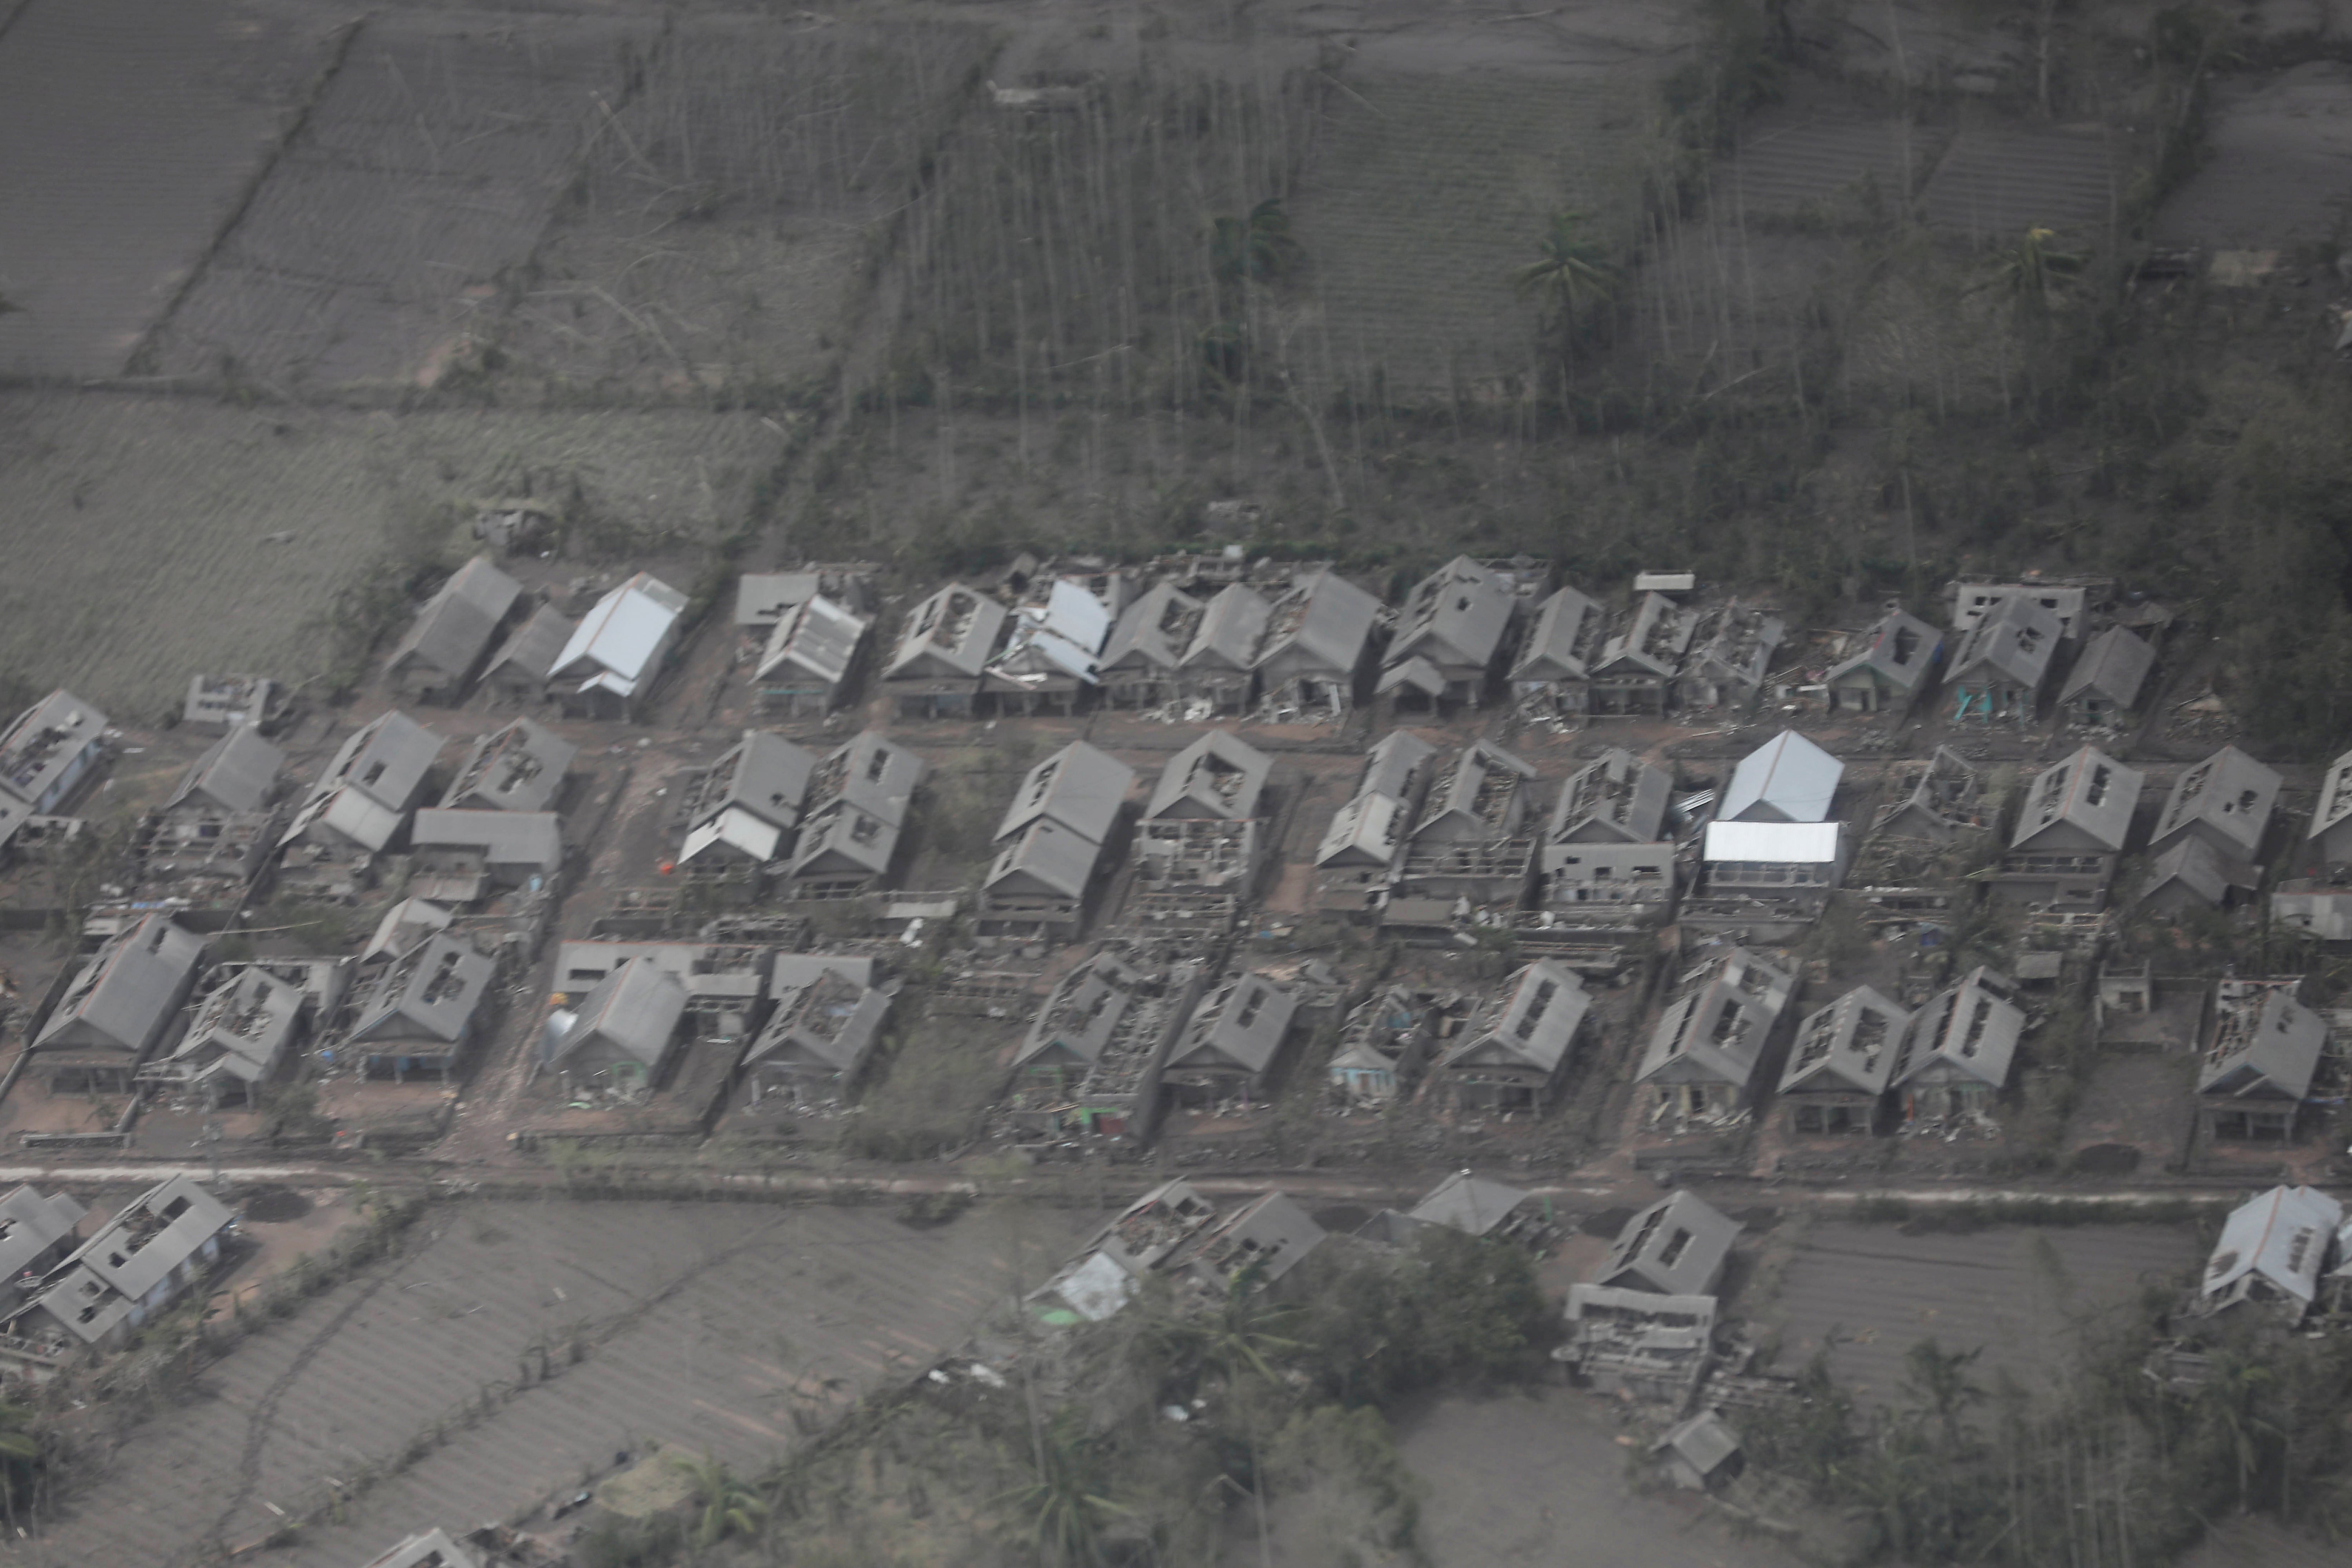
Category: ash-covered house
[237,1035]
[2070,831]
[201,852]
[2002,665]
[2330,836]
[1634,673]
[1355,860]
[1449,636]
[133,1267]
[1147,645]
[1941,801]
[1787,779]
[35,1234]
[1050,844]
[2225,802]
[2193,874]
[1198,845]
[2258,1068]
[1219,667]
[859,802]
[1841,1063]
[1231,1043]
[1553,670]
[763,599]
[118,1007]
[1769,879]
[811,652]
[417,1013]
[1385,1040]
[1513,1056]
[625,1032]
[1974,602]
[1048,659]
[935,670]
[1316,644]
[1891,669]
[359,806]
[2105,684]
[1473,838]
[1679,1246]
[1730,653]
[1253,1247]
[518,672]
[465,856]
[1702,1058]
[225,701]
[1470,1204]
[1960,1050]
[1606,857]
[609,664]
[827,1019]
[45,755]
[1091,1061]
[742,812]
[434,661]
[519,768]
[2270,1253]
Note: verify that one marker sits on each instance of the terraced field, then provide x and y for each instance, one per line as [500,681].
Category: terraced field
[1996,184]
[1785,165]
[708,1327]
[1424,196]
[152,538]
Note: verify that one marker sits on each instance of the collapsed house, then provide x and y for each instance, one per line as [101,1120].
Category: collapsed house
[2258,1067]
[1606,855]
[37,1234]
[1467,1203]
[1769,879]
[417,1013]
[1638,1342]
[1891,669]
[237,1034]
[1958,1054]
[860,799]
[1050,844]
[133,1267]
[1091,1062]
[1513,1058]
[200,854]
[1933,801]
[811,652]
[2105,684]
[520,767]
[44,756]
[358,808]
[1356,861]
[117,1008]
[1316,644]
[2070,833]
[1473,838]
[434,661]
[520,671]
[1142,656]
[608,665]
[1634,673]
[2331,820]
[225,701]
[1048,658]
[1553,672]
[827,1020]
[2270,1253]
[1841,1063]
[1449,636]
[1731,650]
[1386,1038]
[1702,1057]
[935,670]
[2003,663]
[1198,845]
[1231,1044]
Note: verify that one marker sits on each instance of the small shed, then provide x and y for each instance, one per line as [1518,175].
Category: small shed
[2105,684]
[1700,1453]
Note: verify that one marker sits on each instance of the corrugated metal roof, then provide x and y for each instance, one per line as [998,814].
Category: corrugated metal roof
[622,636]
[120,998]
[635,1010]
[1216,775]
[1971,1030]
[2090,792]
[1779,843]
[1853,1044]
[2281,1237]
[518,768]
[1676,1247]
[531,654]
[816,635]
[2114,666]
[1899,650]
[1078,786]
[44,743]
[2278,1057]
[1325,619]
[763,774]
[505,837]
[953,632]
[1155,631]
[237,772]
[1535,1023]
[1557,647]
[1787,778]
[842,836]
[2017,640]
[1231,629]
[154,1233]
[1456,615]
[428,992]
[1050,853]
[1390,766]
[872,773]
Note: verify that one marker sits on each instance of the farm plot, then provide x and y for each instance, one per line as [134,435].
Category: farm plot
[1996,184]
[135,127]
[1786,165]
[1867,1293]
[1425,195]
[2278,165]
[724,216]
[426,169]
[153,538]
[708,1326]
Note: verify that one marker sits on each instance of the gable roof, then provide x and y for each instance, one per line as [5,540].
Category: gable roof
[1653,640]
[2335,797]
[1324,620]
[2197,866]
[153,1234]
[2273,1053]
[1079,787]
[2114,667]
[1456,615]
[634,1009]
[457,623]
[2279,1239]
[872,774]
[532,652]
[119,1000]
[30,1225]
[1083,1015]
[243,1028]
[1266,1238]
[1216,775]
[1466,1203]
[950,635]
[842,836]
[1969,1030]
[1899,651]
[1716,1030]
[1242,1023]
[621,637]
[1615,798]
[2090,793]
[1391,767]
[1155,631]
[763,774]
[2229,792]
[1787,779]
[1532,1023]
[1850,1046]
[1365,830]
[1676,1247]
[1048,853]
[1486,787]
[1560,645]
[834,1019]
[1229,630]
[518,768]
[2015,641]
[384,759]
[504,837]
[430,992]
[44,743]
[816,635]
[237,772]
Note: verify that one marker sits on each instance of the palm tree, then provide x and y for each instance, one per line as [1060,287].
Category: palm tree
[1241,1335]
[1259,249]
[1064,1512]
[2034,272]
[728,1507]
[1572,274]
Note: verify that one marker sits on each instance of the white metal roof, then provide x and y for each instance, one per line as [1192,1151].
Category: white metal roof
[1785,843]
[622,634]
[1788,775]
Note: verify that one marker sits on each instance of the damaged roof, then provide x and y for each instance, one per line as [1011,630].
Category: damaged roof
[428,992]
[1562,643]
[2083,801]
[2279,1239]
[1532,1023]
[1968,1031]
[634,1010]
[2276,1058]
[1850,1046]
[44,743]
[1216,775]
[1239,1024]
[1079,787]
[1230,630]
[1898,652]
[1455,616]
[2229,794]
[1048,854]
[1676,1247]
[1467,1203]
[949,635]
[817,637]
[1155,632]
[518,768]
[2016,641]
[504,837]
[1716,1031]
[1616,798]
